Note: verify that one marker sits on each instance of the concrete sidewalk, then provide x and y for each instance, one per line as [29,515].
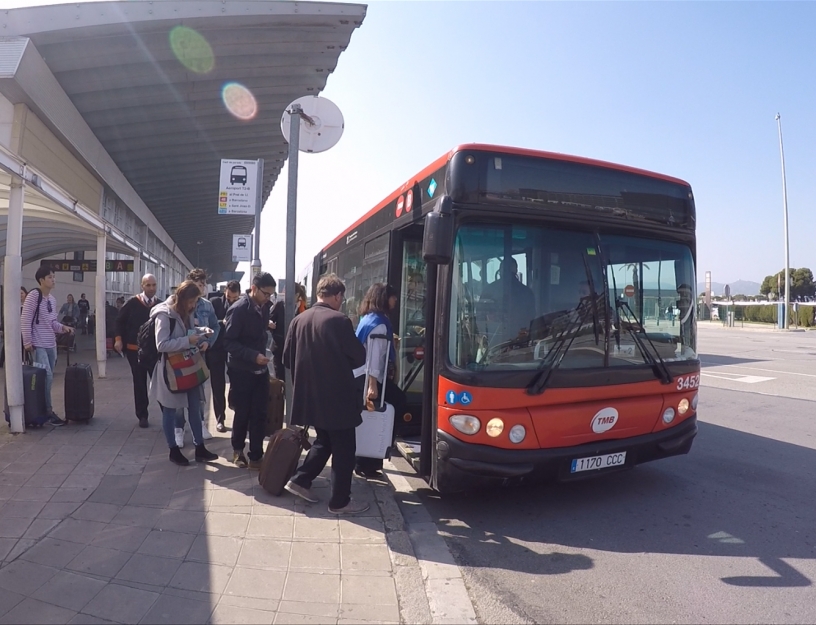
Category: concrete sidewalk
[97,526]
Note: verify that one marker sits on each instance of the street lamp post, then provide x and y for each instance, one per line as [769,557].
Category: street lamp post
[785,205]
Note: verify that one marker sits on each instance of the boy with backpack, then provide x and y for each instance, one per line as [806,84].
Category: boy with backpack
[40,328]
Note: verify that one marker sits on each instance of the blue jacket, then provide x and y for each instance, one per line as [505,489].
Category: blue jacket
[204,315]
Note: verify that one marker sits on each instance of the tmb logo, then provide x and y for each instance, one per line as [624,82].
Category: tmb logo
[604,420]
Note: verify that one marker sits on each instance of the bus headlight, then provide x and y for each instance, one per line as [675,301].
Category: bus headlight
[668,415]
[683,406]
[465,423]
[517,434]
[494,427]
[694,402]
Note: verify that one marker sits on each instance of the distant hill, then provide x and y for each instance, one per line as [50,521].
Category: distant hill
[740,287]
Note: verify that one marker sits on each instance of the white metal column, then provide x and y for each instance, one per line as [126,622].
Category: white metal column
[101,331]
[12,280]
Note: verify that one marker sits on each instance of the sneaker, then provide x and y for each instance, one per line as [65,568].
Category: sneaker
[205,433]
[143,422]
[180,437]
[299,491]
[202,454]
[255,465]
[220,427]
[352,507]
[176,457]
[239,459]
[54,420]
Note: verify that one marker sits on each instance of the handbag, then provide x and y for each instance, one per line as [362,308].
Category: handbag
[184,371]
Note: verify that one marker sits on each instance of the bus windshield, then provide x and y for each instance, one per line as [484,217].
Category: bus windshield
[522,291]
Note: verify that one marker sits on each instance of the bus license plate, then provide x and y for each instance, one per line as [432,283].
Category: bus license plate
[598,462]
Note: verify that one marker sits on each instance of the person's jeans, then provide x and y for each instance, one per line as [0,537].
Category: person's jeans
[47,356]
[341,445]
[140,377]
[250,396]
[169,419]
[217,363]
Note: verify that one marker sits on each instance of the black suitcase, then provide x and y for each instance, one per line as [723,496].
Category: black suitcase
[281,458]
[79,392]
[34,410]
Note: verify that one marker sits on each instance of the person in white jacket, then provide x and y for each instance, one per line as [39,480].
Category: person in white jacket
[175,332]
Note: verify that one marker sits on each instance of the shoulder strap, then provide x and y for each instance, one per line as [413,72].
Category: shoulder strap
[35,319]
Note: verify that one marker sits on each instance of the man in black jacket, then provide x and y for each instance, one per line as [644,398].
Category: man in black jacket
[322,352]
[217,354]
[245,337]
[128,321]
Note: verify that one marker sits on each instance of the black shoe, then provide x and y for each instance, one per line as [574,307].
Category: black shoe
[369,474]
[220,427]
[54,420]
[202,454]
[176,457]
[143,422]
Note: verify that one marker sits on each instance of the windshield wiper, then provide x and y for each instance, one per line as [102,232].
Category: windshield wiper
[556,355]
[655,361]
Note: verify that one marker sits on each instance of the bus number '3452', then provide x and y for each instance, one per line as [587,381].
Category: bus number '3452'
[688,382]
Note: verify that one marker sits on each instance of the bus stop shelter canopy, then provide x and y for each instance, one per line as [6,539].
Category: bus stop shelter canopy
[169,88]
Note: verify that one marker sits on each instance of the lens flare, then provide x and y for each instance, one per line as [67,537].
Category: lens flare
[239,101]
[192,50]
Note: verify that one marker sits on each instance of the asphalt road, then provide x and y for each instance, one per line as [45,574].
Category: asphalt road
[725,534]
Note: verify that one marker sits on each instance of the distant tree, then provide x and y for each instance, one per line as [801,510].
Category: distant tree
[802,284]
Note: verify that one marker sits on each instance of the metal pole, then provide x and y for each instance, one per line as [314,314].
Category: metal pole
[256,262]
[100,331]
[291,229]
[12,281]
[785,204]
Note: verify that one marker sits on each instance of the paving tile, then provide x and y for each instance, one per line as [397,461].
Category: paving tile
[51,552]
[267,526]
[202,577]
[149,569]
[51,480]
[364,529]
[25,468]
[215,549]
[317,529]
[229,498]
[33,611]
[56,469]
[6,545]
[309,608]
[167,544]
[321,556]
[150,495]
[87,619]
[79,480]
[137,515]
[256,583]
[122,537]
[365,557]
[71,495]
[370,612]
[369,590]
[14,527]
[197,500]
[25,577]
[58,510]
[21,509]
[187,521]
[99,561]
[8,600]
[78,530]
[115,489]
[69,590]
[40,528]
[34,493]
[303,619]
[251,603]
[7,491]
[121,603]
[15,479]
[265,553]
[226,524]
[170,609]
[312,587]
[232,615]
[19,548]
[102,512]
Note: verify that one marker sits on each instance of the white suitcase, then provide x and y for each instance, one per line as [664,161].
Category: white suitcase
[375,433]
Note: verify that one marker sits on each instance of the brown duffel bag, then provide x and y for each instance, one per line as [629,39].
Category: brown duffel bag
[281,457]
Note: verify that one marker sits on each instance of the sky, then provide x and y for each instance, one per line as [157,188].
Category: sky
[688,89]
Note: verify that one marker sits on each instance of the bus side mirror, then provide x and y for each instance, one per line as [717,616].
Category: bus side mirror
[437,242]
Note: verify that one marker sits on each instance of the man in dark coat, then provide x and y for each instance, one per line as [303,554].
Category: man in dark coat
[321,351]
[216,355]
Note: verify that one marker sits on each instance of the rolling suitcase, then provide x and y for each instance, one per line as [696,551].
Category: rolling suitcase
[35,411]
[79,392]
[281,458]
[274,409]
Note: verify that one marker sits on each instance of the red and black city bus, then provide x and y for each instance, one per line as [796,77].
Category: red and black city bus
[546,318]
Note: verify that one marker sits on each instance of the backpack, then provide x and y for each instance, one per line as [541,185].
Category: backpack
[148,354]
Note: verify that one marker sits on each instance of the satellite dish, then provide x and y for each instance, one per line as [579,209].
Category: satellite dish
[321,123]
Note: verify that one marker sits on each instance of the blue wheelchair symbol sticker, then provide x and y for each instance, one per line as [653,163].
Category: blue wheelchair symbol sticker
[465,398]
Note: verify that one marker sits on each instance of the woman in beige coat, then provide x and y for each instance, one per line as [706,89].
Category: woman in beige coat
[172,337]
